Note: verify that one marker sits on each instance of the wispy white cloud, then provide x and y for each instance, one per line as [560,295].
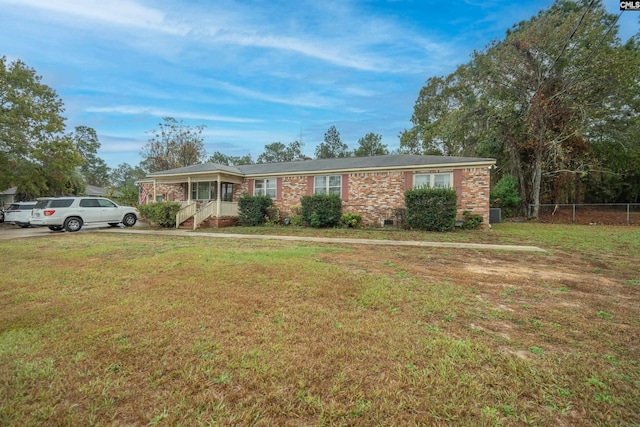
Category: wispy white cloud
[116,12]
[134,110]
[336,33]
[304,100]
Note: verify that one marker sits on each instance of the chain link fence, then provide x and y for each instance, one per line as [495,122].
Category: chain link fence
[604,213]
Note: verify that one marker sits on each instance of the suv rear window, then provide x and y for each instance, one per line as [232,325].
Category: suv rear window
[63,203]
[21,206]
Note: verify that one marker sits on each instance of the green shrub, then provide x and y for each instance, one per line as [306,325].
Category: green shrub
[351,220]
[272,216]
[321,210]
[252,210]
[430,209]
[161,213]
[294,216]
[505,195]
[471,221]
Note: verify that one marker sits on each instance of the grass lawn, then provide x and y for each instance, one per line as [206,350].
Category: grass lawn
[117,329]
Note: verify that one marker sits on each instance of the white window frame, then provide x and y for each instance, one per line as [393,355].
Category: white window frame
[211,190]
[429,180]
[268,187]
[327,187]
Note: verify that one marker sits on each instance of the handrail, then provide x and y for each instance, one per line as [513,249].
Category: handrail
[185,213]
[205,212]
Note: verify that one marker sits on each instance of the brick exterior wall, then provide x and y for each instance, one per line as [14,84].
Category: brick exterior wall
[374,195]
[475,192]
[170,192]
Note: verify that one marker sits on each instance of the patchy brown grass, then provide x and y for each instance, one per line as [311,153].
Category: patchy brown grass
[101,329]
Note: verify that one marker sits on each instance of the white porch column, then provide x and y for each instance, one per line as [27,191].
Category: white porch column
[154,191]
[189,189]
[218,204]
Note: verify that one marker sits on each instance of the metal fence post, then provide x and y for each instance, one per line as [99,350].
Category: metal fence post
[628,218]
[574,212]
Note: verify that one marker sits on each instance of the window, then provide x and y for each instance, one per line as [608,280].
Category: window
[441,180]
[265,187]
[203,190]
[104,203]
[89,203]
[226,188]
[328,184]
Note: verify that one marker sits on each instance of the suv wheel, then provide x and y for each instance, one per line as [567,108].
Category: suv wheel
[129,220]
[73,224]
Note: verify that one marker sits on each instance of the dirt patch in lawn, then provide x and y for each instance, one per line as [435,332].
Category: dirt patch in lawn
[521,294]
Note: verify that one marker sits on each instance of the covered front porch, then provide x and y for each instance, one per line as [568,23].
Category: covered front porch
[210,198]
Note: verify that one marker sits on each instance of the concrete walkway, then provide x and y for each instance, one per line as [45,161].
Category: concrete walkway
[335,240]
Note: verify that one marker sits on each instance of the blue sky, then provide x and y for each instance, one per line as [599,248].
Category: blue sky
[252,71]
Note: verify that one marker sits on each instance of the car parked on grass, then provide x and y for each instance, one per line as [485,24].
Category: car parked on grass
[19,213]
[71,213]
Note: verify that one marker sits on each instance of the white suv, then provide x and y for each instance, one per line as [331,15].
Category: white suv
[19,213]
[71,213]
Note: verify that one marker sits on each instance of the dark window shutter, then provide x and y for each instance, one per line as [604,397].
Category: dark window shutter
[278,188]
[408,180]
[457,183]
[345,186]
[309,186]
[250,186]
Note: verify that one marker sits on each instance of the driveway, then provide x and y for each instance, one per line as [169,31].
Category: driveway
[14,232]
[8,231]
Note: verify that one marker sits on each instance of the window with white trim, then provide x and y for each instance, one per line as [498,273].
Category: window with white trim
[328,184]
[203,190]
[433,180]
[265,187]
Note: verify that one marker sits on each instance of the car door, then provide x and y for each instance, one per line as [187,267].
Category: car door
[89,209]
[109,211]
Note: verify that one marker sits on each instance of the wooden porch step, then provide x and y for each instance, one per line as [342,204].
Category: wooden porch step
[187,225]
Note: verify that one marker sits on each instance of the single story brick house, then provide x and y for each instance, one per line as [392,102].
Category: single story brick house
[370,186]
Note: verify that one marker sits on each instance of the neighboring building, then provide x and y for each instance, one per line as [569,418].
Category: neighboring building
[8,196]
[370,186]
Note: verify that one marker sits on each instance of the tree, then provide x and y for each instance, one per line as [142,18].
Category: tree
[223,159]
[94,170]
[173,145]
[371,145]
[123,178]
[332,147]
[535,101]
[35,155]
[278,152]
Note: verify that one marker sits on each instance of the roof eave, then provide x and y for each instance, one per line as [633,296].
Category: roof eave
[487,163]
[187,174]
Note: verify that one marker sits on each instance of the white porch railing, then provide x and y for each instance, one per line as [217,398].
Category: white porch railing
[185,213]
[228,208]
[191,210]
[205,212]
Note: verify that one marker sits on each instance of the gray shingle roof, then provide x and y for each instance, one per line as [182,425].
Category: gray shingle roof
[205,167]
[393,161]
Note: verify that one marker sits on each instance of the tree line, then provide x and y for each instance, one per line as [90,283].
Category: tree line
[557,103]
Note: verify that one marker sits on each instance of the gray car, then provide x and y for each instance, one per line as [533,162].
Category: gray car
[71,213]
